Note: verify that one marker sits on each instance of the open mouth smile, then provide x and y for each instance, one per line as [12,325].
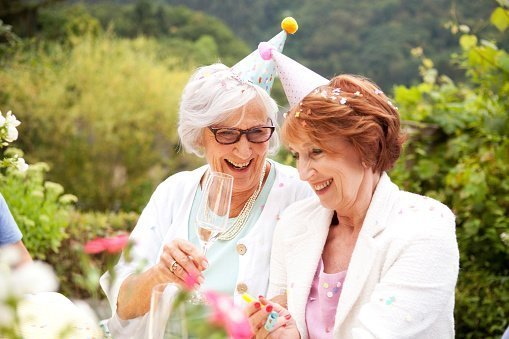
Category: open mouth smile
[238,165]
[322,186]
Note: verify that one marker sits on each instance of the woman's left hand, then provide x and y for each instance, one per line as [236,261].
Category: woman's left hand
[284,326]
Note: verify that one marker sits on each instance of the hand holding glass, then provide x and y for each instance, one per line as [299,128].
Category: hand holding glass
[213,214]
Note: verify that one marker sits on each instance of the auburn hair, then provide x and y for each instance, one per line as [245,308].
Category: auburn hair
[353,108]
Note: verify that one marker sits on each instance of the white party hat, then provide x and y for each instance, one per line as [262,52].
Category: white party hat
[261,72]
[298,80]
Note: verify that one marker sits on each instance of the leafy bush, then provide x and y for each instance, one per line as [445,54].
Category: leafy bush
[52,229]
[8,39]
[40,208]
[78,277]
[102,113]
[67,23]
[176,25]
[459,154]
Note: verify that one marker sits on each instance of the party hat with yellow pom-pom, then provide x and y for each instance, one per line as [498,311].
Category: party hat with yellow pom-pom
[261,72]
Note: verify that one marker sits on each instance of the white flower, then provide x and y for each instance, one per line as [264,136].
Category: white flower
[33,278]
[10,256]
[342,101]
[12,133]
[9,123]
[505,238]
[21,165]
[4,287]
[11,120]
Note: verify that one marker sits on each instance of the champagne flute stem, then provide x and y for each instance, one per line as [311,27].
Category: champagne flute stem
[205,248]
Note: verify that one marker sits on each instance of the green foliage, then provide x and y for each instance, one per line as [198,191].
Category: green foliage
[351,36]
[482,310]
[112,100]
[40,208]
[79,278]
[8,39]
[102,112]
[459,154]
[205,39]
[499,18]
[67,24]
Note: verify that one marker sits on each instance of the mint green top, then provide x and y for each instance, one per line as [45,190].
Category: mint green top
[221,275]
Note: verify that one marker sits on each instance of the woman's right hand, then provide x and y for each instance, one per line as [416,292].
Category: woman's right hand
[258,312]
[135,291]
[182,262]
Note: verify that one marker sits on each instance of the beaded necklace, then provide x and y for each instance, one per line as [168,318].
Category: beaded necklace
[239,224]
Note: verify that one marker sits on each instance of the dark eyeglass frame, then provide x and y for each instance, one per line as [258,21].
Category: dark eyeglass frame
[247,132]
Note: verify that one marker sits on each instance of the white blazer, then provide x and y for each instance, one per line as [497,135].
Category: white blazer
[166,217]
[402,275]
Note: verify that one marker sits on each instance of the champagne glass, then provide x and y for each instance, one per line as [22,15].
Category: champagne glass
[161,304]
[213,213]
[214,208]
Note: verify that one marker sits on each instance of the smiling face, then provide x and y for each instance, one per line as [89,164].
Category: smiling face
[243,160]
[339,179]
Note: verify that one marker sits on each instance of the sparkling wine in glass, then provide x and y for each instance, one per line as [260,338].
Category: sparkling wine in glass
[214,208]
[213,214]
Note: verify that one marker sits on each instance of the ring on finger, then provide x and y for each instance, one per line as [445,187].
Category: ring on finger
[173,267]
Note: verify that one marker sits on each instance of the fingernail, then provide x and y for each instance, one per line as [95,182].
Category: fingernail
[201,280]
[204,264]
[257,305]
[269,308]
[288,316]
[284,325]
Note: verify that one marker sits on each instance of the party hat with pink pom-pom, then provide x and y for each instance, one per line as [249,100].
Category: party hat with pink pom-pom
[298,80]
[261,72]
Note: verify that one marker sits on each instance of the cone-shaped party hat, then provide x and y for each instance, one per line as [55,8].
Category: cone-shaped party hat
[298,80]
[261,72]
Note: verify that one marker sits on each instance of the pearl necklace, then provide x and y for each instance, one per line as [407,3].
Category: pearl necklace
[239,224]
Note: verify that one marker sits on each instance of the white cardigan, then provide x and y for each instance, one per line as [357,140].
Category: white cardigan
[402,274]
[166,217]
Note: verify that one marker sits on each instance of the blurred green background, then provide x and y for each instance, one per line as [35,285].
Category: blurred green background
[96,85]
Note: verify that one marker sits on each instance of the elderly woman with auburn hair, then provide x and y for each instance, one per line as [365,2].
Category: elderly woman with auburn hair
[360,259]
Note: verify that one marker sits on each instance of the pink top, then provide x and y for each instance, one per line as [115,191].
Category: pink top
[323,302]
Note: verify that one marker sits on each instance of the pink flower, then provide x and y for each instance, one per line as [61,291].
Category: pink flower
[95,246]
[116,244]
[226,314]
[111,245]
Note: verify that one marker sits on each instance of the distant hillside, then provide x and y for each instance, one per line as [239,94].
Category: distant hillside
[369,37]
[356,36]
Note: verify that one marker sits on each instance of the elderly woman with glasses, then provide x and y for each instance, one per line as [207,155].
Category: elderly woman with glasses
[232,123]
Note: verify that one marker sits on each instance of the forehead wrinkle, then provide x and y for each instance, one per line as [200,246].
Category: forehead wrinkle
[253,115]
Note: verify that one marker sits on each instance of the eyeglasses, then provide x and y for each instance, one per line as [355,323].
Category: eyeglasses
[228,136]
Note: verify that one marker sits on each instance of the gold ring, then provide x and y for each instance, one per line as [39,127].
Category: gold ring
[173,266]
